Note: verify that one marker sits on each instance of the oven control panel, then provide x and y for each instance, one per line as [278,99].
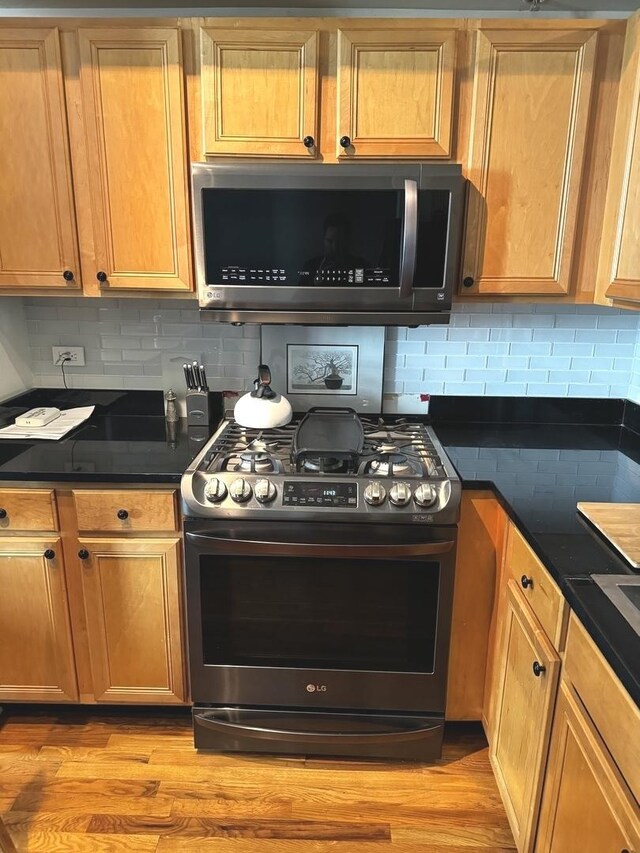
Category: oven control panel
[296,493]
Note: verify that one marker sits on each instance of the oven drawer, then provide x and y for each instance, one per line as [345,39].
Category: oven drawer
[128,510]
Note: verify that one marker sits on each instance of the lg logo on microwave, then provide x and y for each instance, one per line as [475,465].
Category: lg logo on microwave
[316,688]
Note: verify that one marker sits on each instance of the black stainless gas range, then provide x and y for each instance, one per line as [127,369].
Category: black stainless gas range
[319,583]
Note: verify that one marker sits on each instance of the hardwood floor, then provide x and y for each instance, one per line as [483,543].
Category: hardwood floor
[102,780]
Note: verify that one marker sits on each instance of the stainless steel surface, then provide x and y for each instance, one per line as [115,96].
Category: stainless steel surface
[409,239]
[614,587]
[402,476]
[370,306]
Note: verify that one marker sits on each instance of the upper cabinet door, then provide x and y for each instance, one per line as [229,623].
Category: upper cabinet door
[619,267]
[132,100]
[395,93]
[259,91]
[37,225]
[532,90]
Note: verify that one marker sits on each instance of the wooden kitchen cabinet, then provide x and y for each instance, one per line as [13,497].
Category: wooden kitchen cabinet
[131,93]
[586,804]
[531,101]
[395,92]
[259,92]
[529,669]
[619,265]
[38,241]
[131,591]
[36,650]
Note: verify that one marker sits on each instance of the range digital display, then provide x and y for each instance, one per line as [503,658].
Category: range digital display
[320,494]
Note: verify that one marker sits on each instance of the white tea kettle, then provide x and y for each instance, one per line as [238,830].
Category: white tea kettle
[263,408]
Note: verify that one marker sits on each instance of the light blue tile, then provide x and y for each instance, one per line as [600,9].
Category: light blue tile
[428,333]
[576,321]
[492,348]
[572,350]
[440,376]
[511,334]
[428,362]
[619,321]
[589,390]
[512,307]
[569,376]
[550,363]
[595,336]
[468,335]
[446,348]
[602,377]
[464,388]
[407,347]
[404,375]
[625,337]
[548,390]
[506,389]
[592,363]
[534,321]
[491,321]
[480,375]
[625,364]
[462,362]
[619,391]
[460,320]
[527,376]
[510,362]
[615,350]
[519,348]
[553,335]
[480,306]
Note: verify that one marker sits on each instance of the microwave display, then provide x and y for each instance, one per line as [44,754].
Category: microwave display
[348,238]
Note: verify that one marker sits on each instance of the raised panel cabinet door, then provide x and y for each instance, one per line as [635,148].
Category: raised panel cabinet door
[38,241]
[586,805]
[529,671]
[531,97]
[259,92]
[132,603]
[36,650]
[619,266]
[133,107]
[395,93]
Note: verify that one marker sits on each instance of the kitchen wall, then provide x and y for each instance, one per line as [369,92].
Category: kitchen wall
[503,349]
[15,356]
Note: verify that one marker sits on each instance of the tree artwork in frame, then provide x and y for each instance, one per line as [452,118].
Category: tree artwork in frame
[323,369]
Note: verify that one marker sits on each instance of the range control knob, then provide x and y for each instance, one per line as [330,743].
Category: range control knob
[375,493]
[215,491]
[265,491]
[425,495]
[400,494]
[240,491]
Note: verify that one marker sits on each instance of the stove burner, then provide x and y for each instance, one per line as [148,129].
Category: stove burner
[391,465]
[324,464]
[261,463]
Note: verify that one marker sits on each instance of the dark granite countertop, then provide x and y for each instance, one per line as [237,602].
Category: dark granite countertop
[538,470]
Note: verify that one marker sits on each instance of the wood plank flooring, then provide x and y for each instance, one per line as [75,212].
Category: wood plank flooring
[102,781]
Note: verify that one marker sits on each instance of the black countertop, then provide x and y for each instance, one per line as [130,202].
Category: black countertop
[539,472]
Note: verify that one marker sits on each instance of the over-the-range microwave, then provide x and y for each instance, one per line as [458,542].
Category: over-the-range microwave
[314,244]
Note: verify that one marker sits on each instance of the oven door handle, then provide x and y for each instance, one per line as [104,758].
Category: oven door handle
[244,730]
[304,549]
[409,239]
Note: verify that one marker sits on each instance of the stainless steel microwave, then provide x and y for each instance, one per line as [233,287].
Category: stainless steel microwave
[313,244]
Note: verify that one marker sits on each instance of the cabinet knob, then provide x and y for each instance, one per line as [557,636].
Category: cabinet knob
[345,142]
[308,142]
[68,275]
[3,513]
[101,276]
[468,281]
[49,554]
[83,554]
[123,515]
[525,581]
[538,669]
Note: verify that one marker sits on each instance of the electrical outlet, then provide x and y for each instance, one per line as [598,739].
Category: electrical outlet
[70,355]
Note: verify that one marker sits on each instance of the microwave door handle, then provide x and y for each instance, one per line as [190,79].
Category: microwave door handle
[409,239]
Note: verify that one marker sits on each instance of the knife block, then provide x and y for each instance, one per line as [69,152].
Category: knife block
[204,408]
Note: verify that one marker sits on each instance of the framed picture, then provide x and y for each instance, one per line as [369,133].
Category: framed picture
[326,366]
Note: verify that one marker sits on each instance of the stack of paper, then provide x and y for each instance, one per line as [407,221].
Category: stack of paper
[68,420]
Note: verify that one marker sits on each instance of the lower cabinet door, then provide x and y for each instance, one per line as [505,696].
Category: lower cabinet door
[36,650]
[133,609]
[529,672]
[586,805]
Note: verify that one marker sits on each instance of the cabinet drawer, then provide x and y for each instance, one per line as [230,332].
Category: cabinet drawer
[126,510]
[540,591]
[612,710]
[28,509]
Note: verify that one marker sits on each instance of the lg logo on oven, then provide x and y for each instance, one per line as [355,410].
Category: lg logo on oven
[316,688]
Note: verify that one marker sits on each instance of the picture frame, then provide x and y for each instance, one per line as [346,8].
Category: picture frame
[326,366]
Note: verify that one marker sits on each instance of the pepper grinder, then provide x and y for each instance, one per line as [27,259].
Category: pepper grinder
[171,415]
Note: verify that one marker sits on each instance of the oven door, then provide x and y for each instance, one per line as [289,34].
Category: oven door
[323,616]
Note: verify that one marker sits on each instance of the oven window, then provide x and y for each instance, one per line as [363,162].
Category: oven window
[319,614]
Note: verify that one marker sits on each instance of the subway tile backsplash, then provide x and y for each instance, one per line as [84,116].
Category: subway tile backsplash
[497,349]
